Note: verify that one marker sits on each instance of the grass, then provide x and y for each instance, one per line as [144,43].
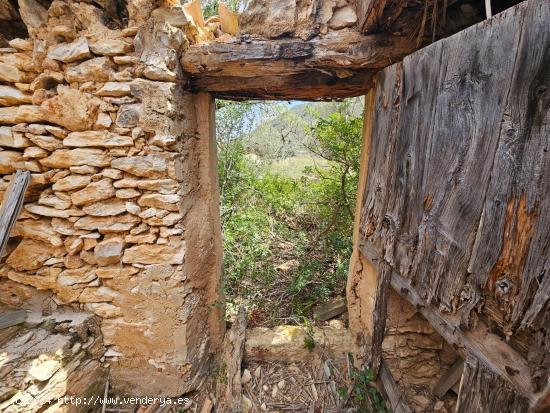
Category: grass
[296,166]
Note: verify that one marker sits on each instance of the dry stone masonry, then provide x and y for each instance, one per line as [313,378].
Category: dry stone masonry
[99,116]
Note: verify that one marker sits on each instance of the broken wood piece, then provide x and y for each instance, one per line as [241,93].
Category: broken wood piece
[230,393]
[332,66]
[228,19]
[12,318]
[193,10]
[391,390]
[330,309]
[11,207]
[481,390]
[449,379]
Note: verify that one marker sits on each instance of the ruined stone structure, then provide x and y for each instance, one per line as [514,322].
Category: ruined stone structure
[109,106]
[121,218]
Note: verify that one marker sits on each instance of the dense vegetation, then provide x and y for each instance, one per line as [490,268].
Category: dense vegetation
[288,178]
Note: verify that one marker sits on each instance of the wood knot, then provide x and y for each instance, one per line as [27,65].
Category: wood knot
[503,286]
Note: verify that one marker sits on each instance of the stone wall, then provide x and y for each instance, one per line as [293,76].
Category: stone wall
[416,355]
[121,217]
[297,18]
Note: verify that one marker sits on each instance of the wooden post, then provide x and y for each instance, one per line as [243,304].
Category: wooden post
[230,392]
[366,285]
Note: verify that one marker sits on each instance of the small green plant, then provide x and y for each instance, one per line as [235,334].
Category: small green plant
[364,394]
[309,343]
[220,373]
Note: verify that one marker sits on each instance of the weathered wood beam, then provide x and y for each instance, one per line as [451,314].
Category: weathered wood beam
[362,275]
[331,309]
[487,347]
[313,85]
[336,65]
[230,390]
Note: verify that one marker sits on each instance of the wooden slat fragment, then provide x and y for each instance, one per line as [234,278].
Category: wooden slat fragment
[193,10]
[330,309]
[449,379]
[229,20]
[481,391]
[12,318]
[230,392]
[11,206]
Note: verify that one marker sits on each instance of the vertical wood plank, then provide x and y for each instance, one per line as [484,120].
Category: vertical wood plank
[482,391]
[361,274]
[382,160]
[511,256]
[205,252]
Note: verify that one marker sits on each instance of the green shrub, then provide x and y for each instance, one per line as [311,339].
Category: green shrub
[287,239]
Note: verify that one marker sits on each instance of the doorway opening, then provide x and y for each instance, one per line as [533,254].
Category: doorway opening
[287,174]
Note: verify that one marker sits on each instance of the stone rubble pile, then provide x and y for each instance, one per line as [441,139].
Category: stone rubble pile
[49,358]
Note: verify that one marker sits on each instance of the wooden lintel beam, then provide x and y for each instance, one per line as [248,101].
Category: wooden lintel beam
[312,86]
[336,65]
[487,347]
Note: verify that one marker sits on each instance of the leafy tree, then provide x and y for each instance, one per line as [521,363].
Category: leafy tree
[337,139]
